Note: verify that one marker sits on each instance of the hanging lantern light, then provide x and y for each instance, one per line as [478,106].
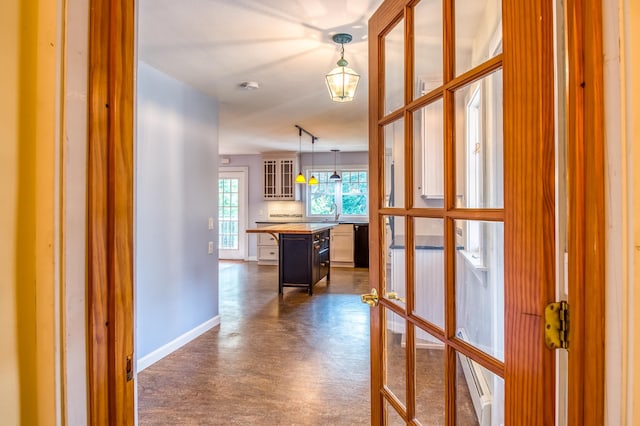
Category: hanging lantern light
[342,81]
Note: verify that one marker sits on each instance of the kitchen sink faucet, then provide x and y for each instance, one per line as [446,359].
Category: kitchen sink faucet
[334,209]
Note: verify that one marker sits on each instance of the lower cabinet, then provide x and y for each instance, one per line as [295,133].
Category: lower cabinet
[304,260]
[361,246]
[267,248]
[342,245]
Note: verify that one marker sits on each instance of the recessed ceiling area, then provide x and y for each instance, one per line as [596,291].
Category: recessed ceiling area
[285,46]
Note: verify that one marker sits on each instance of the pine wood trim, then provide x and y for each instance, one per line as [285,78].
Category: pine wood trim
[586,224]
[121,98]
[97,213]
[110,211]
[530,209]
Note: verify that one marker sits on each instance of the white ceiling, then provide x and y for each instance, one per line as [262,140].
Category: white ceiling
[285,46]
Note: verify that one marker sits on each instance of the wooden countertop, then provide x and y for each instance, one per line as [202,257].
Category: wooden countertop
[293,228]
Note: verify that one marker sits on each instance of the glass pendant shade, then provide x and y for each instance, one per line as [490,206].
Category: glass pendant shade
[300,178]
[313,180]
[342,83]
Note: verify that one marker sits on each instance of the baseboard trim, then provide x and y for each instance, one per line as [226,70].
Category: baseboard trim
[176,343]
[252,259]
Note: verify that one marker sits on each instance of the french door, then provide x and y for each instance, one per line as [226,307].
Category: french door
[232,214]
[462,236]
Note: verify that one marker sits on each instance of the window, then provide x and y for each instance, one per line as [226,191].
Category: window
[355,188]
[348,196]
[321,197]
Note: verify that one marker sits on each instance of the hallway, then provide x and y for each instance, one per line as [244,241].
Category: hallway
[273,361]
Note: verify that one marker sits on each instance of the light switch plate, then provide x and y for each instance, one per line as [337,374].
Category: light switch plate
[210,223]
[210,247]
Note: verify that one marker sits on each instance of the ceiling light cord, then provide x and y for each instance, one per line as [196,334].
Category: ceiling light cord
[300,178]
[335,176]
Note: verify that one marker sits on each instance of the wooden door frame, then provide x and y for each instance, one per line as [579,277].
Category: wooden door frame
[586,209]
[110,212]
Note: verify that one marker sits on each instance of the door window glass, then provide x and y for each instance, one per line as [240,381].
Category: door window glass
[478,32]
[228,207]
[394,68]
[427,47]
[480,285]
[394,164]
[479,163]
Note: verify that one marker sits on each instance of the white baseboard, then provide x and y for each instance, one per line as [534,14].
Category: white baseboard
[252,259]
[176,343]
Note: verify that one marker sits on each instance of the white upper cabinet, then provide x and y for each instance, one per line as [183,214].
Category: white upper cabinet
[278,177]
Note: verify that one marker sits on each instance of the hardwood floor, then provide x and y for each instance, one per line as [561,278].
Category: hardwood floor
[290,360]
[273,361]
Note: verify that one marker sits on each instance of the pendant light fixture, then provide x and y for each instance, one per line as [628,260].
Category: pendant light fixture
[342,81]
[312,179]
[335,176]
[300,178]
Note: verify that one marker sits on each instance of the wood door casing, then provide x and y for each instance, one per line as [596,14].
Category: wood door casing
[110,212]
[586,222]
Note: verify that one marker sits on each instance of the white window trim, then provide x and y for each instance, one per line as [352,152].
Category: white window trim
[338,193]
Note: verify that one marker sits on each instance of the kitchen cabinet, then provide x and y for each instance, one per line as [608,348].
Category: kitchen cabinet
[304,260]
[267,248]
[278,177]
[361,245]
[342,245]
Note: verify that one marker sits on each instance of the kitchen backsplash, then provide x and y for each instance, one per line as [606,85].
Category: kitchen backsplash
[285,210]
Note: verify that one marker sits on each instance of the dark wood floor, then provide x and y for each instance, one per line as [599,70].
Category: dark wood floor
[290,360]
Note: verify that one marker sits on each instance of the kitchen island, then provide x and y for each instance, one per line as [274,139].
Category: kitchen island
[303,253]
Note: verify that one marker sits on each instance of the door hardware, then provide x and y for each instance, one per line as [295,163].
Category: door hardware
[370,299]
[392,295]
[556,325]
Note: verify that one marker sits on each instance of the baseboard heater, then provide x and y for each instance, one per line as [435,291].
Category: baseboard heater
[477,383]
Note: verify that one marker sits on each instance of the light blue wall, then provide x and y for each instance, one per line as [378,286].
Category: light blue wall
[176,281]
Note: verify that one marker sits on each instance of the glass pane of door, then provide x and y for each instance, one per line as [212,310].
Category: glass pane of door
[392,418]
[479,394]
[394,164]
[480,285]
[479,147]
[430,381]
[478,37]
[428,154]
[394,68]
[395,265]
[427,46]
[396,355]
[228,214]
[429,284]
